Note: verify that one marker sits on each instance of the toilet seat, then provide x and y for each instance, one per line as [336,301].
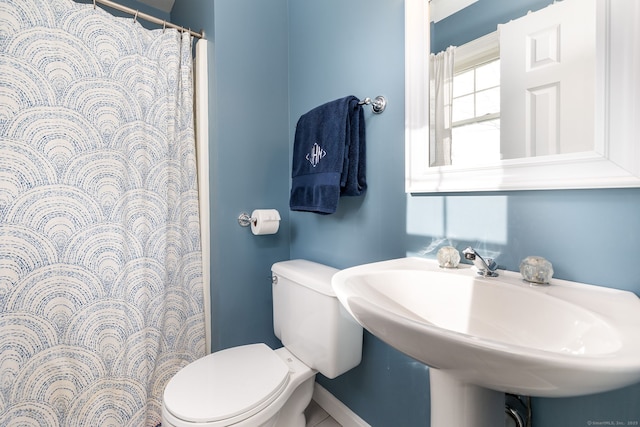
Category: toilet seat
[227,386]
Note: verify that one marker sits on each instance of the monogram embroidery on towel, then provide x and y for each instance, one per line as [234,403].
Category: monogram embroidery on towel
[315,155]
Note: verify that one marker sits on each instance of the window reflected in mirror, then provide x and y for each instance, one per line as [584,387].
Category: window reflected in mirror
[474,107]
[475,118]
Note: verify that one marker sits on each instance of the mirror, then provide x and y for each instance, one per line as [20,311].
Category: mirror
[532,153]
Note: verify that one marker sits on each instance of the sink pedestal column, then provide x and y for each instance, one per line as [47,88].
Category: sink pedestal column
[454,403]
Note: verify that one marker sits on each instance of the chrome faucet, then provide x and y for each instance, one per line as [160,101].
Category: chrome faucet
[485,268]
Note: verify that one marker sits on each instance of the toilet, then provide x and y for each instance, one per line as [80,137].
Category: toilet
[253,385]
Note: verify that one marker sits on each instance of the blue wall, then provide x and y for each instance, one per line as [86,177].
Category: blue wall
[249,157]
[336,51]
[275,60]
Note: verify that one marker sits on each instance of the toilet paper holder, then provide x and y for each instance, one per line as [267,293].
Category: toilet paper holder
[261,221]
[245,220]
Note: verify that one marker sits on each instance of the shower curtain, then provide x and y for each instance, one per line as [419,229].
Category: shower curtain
[101,294]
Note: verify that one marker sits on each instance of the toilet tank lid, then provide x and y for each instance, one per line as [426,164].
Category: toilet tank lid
[230,384]
[307,273]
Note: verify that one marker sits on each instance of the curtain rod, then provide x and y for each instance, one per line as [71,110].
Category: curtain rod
[146,17]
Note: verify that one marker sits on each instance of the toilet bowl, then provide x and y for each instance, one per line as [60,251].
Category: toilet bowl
[240,386]
[255,386]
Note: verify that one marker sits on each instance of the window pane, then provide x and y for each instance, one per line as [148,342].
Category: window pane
[488,102]
[476,143]
[462,108]
[463,83]
[488,75]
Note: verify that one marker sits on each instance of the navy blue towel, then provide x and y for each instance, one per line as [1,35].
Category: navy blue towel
[329,156]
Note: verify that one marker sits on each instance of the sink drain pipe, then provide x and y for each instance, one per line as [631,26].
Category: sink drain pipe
[519,411]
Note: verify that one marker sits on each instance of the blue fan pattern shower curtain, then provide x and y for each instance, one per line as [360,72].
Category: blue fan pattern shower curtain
[100,265]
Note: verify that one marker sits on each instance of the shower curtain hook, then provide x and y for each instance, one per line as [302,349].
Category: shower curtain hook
[135,17]
[94,4]
[164,26]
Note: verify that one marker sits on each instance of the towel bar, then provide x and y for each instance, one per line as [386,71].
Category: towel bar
[378,104]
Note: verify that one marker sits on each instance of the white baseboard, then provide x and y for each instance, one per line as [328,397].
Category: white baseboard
[338,410]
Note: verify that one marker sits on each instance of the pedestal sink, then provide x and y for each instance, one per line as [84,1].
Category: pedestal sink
[486,336]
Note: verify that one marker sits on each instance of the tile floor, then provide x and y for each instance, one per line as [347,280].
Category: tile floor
[318,417]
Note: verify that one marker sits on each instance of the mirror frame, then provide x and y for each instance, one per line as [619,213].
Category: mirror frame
[615,160]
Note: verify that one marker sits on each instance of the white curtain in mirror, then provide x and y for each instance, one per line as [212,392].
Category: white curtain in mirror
[441,87]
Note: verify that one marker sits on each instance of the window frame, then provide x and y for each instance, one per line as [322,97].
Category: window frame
[472,55]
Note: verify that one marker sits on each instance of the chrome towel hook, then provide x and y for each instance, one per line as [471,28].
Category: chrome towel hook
[378,104]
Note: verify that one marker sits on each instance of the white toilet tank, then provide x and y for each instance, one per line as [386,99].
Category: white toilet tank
[309,319]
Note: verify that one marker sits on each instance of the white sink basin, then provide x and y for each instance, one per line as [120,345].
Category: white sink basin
[564,339]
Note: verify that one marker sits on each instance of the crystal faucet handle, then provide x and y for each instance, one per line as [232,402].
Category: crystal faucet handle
[536,269]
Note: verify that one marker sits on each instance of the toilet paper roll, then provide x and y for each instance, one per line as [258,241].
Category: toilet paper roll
[265,221]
